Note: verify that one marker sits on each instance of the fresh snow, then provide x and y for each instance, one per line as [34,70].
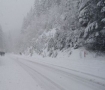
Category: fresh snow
[80,60]
[50,32]
[13,77]
[82,70]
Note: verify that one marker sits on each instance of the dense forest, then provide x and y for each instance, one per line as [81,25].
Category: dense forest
[63,24]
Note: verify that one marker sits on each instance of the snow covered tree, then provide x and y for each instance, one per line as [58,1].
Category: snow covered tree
[91,18]
[77,23]
[49,14]
[100,39]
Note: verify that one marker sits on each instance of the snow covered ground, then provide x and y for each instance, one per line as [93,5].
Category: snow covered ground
[81,70]
[13,77]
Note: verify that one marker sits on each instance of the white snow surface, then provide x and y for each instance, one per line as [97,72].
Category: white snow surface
[81,70]
[49,33]
[13,77]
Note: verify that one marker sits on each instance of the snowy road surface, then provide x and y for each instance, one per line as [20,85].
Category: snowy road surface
[22,74]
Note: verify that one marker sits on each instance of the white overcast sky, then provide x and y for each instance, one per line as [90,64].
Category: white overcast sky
[12,13]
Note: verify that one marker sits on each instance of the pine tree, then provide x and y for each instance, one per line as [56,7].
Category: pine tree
[91,17]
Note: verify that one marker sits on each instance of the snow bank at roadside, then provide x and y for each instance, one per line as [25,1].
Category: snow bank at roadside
[80,60]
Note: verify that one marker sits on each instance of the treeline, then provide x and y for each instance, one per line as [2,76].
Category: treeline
[78,23]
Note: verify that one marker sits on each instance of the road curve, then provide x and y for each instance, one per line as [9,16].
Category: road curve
[52,78]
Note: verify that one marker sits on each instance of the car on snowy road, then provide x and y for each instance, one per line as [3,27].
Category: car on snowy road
[2,53]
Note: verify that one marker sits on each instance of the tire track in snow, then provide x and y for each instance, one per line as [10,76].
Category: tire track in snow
[59,69]
[46,64]
[78,79]
[84,81]
[44,82]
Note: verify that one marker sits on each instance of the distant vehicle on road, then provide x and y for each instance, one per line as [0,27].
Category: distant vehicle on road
[2,53]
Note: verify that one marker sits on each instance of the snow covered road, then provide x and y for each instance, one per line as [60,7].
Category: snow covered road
[42,76]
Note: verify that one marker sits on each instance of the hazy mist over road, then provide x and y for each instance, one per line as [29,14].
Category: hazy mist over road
[12,13]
